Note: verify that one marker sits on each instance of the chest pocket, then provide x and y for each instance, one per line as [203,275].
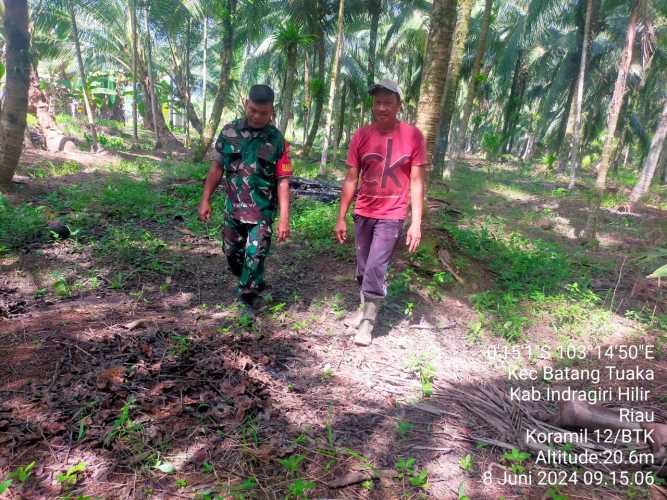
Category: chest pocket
[230,153]
[266,160]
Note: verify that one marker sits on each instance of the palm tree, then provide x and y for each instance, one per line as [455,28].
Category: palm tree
[151,79]
[651,161]
[434,76]
[576,137]
[17,74]
[404,48]
[451,85]
[374,11]
[224,83]
[328,129]
[133,42]
[49,30]
[473,83]
[307,96]
[317,83]
[590,232]
[204,76]
[288,39]
[90,112]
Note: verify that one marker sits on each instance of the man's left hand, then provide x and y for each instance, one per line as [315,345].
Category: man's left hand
[413,238]
[283,231]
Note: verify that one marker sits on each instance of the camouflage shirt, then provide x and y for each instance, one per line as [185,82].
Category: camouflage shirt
[252,161]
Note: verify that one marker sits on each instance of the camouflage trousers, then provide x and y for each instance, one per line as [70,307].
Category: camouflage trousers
[246,248]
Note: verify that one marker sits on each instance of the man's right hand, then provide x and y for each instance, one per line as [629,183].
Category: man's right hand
[205,211]
[341,230]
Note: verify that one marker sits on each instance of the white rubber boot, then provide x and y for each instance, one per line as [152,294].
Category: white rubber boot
[364,335]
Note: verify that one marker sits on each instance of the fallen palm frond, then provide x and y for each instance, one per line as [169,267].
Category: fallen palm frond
[499,421]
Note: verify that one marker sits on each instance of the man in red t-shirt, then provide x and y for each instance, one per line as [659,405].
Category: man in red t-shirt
[386,159]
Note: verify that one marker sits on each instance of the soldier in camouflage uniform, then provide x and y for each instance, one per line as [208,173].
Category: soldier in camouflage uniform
[253,165]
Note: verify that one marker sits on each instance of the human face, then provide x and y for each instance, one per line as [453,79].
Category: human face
[386,105]
[258,115]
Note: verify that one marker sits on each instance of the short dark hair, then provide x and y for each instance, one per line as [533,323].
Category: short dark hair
[261,94]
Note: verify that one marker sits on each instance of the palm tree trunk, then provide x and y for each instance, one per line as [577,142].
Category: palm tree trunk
[464,8]
[288,90]
[172,87]
[117,110]
[38,104]
[443,18]
[514,103]
[328,128]
[339,125]
[17,81]
[90,113]
[651,161]
[590,232]
[565,143]
[151,80]
[204,78]
[227,61]
[374,10]
[349,121]
[459,145]
[307,98]
[341,113]
[319,95]
[133,27]
[576,138]
[184,95]
[188,99]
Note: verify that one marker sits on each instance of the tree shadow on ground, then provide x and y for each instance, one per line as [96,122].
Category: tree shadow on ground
[207,389]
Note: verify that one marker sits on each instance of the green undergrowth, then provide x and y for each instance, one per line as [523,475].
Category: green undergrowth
[20,225]
[535,284]
[313,225]
[53,169]
[129,215]
[533,281]
[127,219]
[525,273]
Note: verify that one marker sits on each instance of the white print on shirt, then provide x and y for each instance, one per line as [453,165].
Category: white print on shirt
[375,180]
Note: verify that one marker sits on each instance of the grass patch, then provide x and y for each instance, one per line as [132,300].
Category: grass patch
[302,168]
[526,271]
[20,225]
[613,200]
[313,223]
[623,177]
[126,198]
[51,169]
[112,143]
[138,249]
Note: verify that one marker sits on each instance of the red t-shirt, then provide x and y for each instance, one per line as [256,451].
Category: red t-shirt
[385,161]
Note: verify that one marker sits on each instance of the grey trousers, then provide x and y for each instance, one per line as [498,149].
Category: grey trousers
[375,243]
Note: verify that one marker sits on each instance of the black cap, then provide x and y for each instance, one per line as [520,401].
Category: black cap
[261,94]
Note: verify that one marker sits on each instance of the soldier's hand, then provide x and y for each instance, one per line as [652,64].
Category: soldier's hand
[413,238]
[204,211]
[341,231]
[283,231]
